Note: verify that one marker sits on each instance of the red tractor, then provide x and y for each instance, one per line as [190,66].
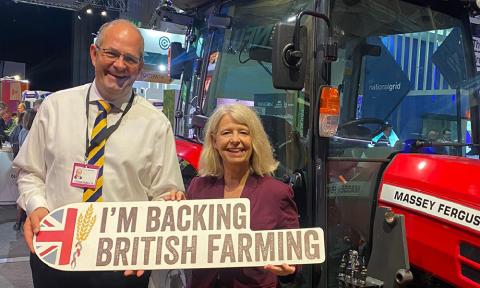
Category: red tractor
[372,108]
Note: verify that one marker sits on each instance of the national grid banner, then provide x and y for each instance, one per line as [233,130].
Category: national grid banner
[168,235]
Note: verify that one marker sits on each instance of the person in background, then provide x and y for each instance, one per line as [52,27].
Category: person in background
[432,135]
[14,118]
[434,138]
[10,123]
[3,124]
[446,135]
[14,135]
[135,160]
[21,108]
[25,124]
[447,138]
[386,134]
[237,162]
[8,119]
[37,104]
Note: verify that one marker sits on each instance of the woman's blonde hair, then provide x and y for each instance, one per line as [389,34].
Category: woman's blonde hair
[261,162]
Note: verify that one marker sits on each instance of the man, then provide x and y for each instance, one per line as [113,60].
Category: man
[4,124]
[447,138]
[136,161]
[387,134]
[21,108]
[446,135]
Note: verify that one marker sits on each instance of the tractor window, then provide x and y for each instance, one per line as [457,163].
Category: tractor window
[400,83]
[403,73]
[240,68]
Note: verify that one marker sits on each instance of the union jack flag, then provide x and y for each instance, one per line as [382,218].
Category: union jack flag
[54,241]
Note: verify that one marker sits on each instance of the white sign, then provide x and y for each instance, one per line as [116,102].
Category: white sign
[168,235]
[441,208]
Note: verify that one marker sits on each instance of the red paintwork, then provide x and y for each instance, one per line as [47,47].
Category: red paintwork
[189,151]
[433,243]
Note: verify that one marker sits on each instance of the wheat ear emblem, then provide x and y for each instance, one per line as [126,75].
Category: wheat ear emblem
[84,226]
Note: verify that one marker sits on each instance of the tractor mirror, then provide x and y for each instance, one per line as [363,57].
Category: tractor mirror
[260,53]
[199,120]
[219,22]
[289,59]
[175,61]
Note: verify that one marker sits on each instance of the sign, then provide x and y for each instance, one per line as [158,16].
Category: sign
[159,41]
[15,91]
[475,29]
[450,59]
[430,205]
[154,76]
[168,235]
[382,91]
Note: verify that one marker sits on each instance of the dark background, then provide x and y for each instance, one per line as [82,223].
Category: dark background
[40,37]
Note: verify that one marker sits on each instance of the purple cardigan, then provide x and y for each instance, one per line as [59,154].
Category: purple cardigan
[272,207]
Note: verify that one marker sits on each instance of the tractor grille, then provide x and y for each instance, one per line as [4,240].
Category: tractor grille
[471,254]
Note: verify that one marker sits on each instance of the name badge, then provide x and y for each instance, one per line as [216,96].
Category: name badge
[84,175]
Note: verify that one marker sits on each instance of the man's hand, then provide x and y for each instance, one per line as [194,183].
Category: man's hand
[137,273]
[173,195]
[32,225]
[280,270]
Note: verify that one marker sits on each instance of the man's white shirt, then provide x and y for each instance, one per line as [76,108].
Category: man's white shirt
[140,156]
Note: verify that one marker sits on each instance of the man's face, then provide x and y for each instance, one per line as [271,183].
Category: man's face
[5,116]
[20,108]
[447,135]
[117,60]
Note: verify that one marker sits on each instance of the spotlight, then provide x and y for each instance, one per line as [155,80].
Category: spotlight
[89,11]
[162,67]
[104,13]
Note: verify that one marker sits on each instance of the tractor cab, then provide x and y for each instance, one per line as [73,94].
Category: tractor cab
[360,99]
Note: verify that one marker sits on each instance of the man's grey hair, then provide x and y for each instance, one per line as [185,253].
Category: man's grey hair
[101,32]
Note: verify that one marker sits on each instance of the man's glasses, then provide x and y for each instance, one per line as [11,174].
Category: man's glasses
[114,55]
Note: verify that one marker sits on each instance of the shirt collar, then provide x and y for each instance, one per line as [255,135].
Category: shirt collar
[119,104]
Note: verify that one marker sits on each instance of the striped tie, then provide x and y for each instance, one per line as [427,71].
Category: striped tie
[96,156]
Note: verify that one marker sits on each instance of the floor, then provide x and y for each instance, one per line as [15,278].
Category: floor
[14,254]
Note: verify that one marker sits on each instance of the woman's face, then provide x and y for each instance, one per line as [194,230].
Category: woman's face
[233,142]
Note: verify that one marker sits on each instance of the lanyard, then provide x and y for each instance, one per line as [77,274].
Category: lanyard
[105,133]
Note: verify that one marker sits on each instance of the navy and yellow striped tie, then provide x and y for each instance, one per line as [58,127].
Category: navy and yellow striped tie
[97,154]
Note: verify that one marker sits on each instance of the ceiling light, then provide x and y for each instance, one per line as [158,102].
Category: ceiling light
[89,11]
[104,13]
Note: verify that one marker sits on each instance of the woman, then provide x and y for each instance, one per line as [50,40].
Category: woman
[237,162]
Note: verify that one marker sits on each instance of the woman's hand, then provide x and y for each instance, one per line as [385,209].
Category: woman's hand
[137,273]
[173,195]
[280,270]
